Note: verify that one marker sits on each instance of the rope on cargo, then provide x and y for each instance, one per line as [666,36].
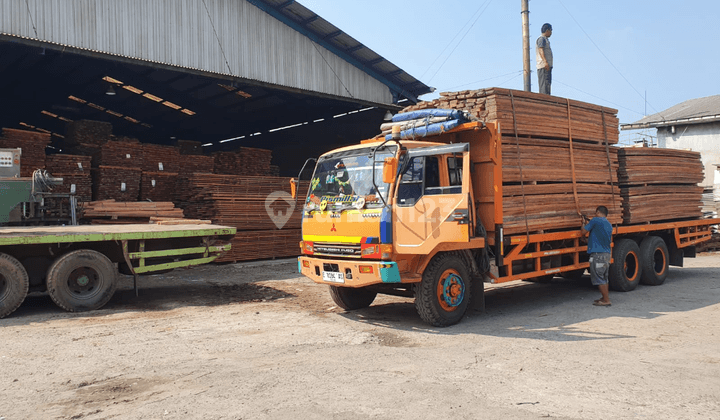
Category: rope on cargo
[522,182]
[607,152]
[572,161]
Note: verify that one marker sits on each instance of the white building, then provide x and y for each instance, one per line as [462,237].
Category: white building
[690,125]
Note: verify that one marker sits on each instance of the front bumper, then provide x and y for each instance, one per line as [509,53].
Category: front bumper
[382,271]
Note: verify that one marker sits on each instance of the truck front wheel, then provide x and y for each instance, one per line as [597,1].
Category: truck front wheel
[14,284]
[625,271]
[655,261]
[443,295]
[81,280]
[350,298]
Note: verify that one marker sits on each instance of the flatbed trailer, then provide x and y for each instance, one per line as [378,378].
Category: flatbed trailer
[78,265]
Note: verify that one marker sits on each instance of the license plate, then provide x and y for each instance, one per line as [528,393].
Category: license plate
[333,277]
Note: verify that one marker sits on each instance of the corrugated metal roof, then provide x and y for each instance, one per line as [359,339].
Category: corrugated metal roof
[693,111]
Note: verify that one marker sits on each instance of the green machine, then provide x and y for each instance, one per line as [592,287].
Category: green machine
[23,200]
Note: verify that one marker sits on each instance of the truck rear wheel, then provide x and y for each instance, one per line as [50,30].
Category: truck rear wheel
[14,284]
[350,298]
[625,271]
[82,280]
[655,260]
[443,295]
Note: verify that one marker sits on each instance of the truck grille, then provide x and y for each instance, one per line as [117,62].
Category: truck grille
[345,250]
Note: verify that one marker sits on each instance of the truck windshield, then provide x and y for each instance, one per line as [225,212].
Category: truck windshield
[350,175]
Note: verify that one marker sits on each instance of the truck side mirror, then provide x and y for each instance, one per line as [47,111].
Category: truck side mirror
[390,168]
[293,188]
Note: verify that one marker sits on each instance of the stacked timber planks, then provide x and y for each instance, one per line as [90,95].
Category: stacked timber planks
[254,162]
[197,164]
[116,183]
[537,115]
[158,186]
[226,163]
[241,202]
[111,211]
[157,158]
[75,172]
[189,147]
[660,184]
[33,146]
[87,132]
[547,196]
[120,153]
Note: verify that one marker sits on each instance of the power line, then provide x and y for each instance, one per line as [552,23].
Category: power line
[332,69]
[485,80]
[451,41]
[32,21]
[606,57]
[217,37]
[461,40]
[597,97]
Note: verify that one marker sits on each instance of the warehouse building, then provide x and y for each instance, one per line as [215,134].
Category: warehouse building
[227,73]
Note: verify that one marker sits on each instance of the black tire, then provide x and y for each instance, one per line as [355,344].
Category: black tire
[443,295]
[655,261]
[350,298]
[82,280]
[14,284]
[626,270]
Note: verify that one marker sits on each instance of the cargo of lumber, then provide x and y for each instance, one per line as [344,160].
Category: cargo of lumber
[536,114]
[158,186]
[197,163]
[158,158]
[546,195]
[88,132]
[116,183]
[33,146]
[660,184]
[111,211]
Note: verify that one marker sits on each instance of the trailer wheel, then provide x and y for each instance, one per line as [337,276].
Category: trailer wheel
[350,298]
[655,260]
[443,295]
[14,284]
[625,271]
[82,280]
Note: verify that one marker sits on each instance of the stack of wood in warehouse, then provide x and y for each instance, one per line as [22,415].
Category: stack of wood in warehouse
[660,184]
[536,132]
[246,161]
[242,202]
[33,146]
[84,137]
[118,172]
[75,172]
[160,168]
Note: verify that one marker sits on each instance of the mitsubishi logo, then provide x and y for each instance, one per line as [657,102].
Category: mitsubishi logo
[333,228]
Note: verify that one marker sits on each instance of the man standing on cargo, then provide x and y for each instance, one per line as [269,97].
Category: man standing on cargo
[599,249]
[544,57]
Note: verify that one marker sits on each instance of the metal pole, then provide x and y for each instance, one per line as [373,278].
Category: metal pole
[526,44]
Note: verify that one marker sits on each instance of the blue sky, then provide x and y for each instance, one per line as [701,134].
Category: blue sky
[607,52]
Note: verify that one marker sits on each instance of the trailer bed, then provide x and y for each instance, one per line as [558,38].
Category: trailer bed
[96,233]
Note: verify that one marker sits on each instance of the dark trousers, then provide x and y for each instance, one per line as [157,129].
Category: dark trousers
[544,80]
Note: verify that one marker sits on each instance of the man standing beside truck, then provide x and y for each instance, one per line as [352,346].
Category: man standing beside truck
[544,57]
[599,240]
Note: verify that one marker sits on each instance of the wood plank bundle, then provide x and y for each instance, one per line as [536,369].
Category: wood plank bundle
[263,244]
[537,115]
[660,184]
[189,147]
[116,183]
[226,163]
[68,164]
[197,164]
[33,146]
[75,183]
[157,186]
[88,132]
[157,158]
[254,162]
[128,212]
[120,153]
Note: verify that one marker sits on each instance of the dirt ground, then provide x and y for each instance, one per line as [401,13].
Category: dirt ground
[256,341]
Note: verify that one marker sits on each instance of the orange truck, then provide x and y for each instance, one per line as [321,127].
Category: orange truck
[424,219]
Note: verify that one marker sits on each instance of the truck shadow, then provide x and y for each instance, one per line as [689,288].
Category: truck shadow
[556,311]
